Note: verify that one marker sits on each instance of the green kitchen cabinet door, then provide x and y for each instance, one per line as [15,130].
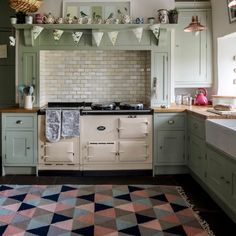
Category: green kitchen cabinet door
[170,148]
[160,83]
[197,152]
[216,178]
[193,51]
[19,148]
[30,72]
[231,184]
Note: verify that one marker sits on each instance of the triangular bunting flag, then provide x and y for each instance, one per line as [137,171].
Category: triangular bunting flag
[36,30]
[12,41]
[98,37]
[138,32]
[57,34]
[156,30]
[113,36]
[77,36]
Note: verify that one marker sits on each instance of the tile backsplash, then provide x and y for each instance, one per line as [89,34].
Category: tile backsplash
[92,76]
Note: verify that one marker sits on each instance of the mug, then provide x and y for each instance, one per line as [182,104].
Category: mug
[29,20]
[13,20]
[29,100]
[39,18]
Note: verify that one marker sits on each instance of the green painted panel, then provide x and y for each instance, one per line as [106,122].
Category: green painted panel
[30,72]
[216,172]
[232,185]
[160,78]
[171,148]
[19,148]
[197,152]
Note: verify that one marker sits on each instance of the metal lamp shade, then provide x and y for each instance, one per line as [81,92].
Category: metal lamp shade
[194,26]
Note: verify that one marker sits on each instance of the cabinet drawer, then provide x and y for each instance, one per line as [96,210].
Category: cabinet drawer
[18,122]
[196,126]
[170,121]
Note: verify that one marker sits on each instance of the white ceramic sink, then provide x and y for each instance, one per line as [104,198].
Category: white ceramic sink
[221,133]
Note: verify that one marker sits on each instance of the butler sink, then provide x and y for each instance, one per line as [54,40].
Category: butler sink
[221,133]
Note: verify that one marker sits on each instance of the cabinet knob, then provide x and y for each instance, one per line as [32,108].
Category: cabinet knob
[171,122]
[227,182]
[195,125]
[19,122]
[222,177]
[161,147]
[28,148]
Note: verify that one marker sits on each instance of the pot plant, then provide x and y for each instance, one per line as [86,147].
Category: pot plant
[173,16]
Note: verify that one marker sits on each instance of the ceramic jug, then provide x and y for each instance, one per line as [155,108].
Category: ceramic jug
[163,16]
[29,101]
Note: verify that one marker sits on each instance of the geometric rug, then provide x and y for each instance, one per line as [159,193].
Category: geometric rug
[89,210]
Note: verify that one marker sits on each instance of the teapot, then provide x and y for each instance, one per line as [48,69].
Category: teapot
[49,19]
[201,98]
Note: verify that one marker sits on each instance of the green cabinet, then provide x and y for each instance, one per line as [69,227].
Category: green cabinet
[193,51]
[169,143]
[221,176]
[19,141]
[197,146]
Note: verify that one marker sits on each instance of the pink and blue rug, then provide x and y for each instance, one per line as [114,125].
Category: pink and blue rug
[89,210]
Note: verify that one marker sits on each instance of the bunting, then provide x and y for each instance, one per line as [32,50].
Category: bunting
[138,32]
[97,35]
[113,36]
[57,34]
[156,30]
[77,36]
[36,30]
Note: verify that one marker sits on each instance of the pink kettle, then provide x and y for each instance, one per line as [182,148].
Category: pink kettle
[201,98]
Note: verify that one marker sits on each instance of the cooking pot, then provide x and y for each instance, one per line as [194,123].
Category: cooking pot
[201,98]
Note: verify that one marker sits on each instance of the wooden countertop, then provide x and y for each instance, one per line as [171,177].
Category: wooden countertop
[201,111]
[17,109]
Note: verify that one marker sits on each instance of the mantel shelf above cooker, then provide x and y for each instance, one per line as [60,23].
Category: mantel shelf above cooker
[27,30]
[90,26]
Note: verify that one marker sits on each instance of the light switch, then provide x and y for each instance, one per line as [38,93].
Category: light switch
[3,51]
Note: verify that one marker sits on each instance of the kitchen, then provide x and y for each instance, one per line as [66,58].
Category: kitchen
[170,124]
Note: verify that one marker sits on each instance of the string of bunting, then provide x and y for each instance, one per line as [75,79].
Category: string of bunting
[97,35]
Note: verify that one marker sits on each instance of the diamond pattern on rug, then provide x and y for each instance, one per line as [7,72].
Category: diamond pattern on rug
[95,210]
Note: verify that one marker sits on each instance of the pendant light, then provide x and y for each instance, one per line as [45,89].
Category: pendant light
[195,25]
[232,4]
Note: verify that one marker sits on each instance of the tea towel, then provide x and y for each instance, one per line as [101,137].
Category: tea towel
[70,123]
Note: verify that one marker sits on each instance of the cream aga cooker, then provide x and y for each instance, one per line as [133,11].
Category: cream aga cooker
[111,137]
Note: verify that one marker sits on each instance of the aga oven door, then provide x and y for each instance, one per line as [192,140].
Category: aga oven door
[65,151]
[133,127]
[133,151]
[101,152]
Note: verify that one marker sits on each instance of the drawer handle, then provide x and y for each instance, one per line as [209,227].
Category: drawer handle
[171,122]
[19,122]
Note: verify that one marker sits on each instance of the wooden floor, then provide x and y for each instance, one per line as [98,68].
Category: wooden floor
[208,210]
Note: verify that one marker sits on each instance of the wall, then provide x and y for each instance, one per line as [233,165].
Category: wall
[7,65]
[222,27]
[94,76]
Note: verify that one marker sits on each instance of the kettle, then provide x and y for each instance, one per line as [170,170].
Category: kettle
[201,98]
